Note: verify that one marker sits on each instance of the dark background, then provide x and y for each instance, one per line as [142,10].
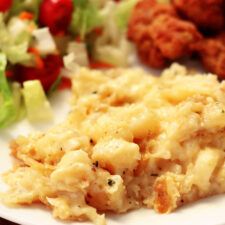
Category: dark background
[5,222]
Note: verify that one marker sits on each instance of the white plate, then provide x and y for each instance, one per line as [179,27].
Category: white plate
[210,211]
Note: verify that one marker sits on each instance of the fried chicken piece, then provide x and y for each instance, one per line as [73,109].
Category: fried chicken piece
[212,54]
[173,36]
[143,14]
[206,14]
[148,53]
[160,36]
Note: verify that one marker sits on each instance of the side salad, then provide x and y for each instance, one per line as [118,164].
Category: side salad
[42,43]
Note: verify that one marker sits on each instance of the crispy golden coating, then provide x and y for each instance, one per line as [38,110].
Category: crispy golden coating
[212,53]
[144,13]
[148,52]
[138,31]
[160,36]
[206,14]
[173,36]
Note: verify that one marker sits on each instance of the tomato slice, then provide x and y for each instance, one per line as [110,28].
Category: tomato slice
[100,65]
[65,83]
[56,14]
[9,73]
[46,74]
[5,5]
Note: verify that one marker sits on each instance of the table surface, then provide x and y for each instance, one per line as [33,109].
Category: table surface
[5,222]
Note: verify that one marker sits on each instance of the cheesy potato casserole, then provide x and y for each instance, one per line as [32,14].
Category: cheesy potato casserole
[131,140]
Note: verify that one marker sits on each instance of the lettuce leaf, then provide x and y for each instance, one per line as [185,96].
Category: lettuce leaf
[37,105]
[80,3]
[85,17]
[123,12]
[25,5]
[14,46]
[7,108]
[18,100]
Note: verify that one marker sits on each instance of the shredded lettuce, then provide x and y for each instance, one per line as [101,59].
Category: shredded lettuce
[18,100]
[25,5]
[44,41]
[80,53]
[117,55]
[123,12]
[14,46]
[8,111]
[37,105]
[11,101]
[80,3]
[85,17]
[112,46]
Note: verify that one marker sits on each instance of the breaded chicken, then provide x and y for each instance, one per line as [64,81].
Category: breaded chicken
[160,36]
[212,54]
[148,52]
[206,14]
[173,36]
[144,13]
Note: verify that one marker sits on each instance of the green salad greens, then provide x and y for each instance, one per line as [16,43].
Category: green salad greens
[43,42]
[85,18]
[14,44]
[8,108]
